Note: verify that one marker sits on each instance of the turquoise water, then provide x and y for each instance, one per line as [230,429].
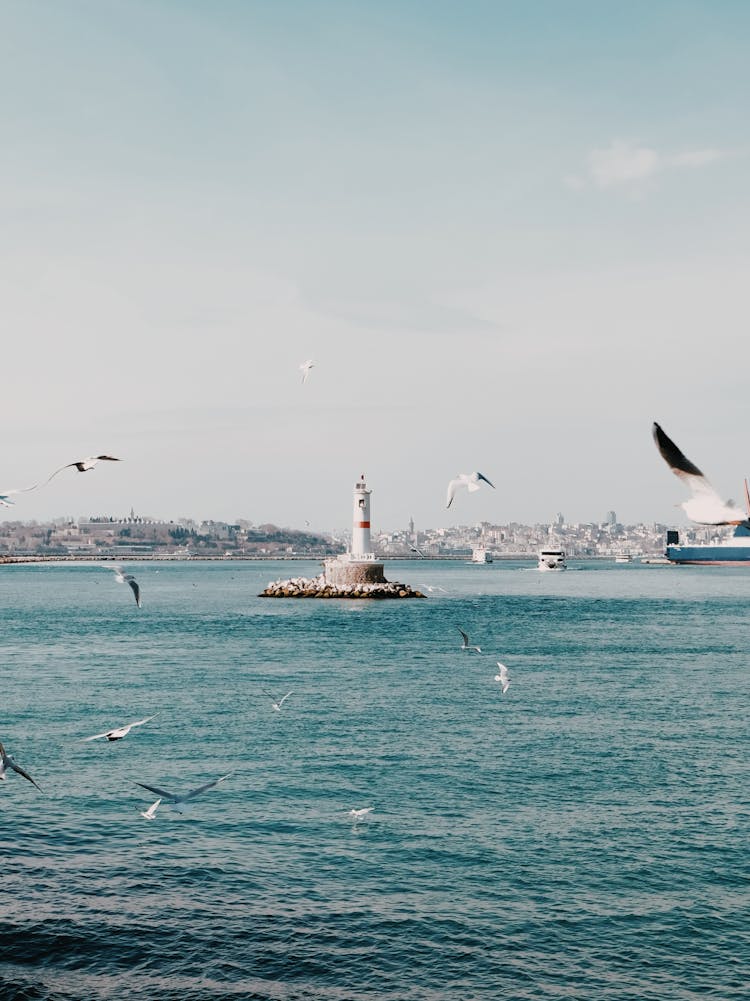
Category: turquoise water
[582,837]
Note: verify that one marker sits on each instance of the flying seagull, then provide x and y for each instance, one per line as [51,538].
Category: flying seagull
[469,480]
[127,578]
[277,705]
[121,731]
[502,677]
[305,368]
[418,551]
[6,762]
[82,465]
[465,644]
[705,506]
[360,814]
[150,814]
[175,800]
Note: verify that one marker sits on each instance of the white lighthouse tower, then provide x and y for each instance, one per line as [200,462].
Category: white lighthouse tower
[359,565]
[361,550]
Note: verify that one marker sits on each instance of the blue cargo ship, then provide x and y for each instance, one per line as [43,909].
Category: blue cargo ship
[732,551]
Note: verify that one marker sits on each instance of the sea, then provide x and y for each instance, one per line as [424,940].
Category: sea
[584,836]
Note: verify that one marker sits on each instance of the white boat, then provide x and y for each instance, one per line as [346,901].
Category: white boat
[481,556]
[623,557]
[551,559]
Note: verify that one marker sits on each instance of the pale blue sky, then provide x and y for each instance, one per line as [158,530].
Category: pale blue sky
[510,234]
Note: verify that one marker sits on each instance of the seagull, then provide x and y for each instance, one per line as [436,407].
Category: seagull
[470,480]
[502,677]
[127,578]
[305,368]
[150,814]
[705,506]
[277,705]
[434,587]
[121,731]
[419,552]
[6,762]
[175,800]
[465,644]
[360,814]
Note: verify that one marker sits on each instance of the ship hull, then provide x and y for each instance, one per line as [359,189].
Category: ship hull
[733,556]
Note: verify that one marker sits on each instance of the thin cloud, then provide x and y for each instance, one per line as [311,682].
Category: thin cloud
[626,164]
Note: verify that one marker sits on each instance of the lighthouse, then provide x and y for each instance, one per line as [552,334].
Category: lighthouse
[361,546]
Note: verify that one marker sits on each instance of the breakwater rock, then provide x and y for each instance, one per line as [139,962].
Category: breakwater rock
[318,587]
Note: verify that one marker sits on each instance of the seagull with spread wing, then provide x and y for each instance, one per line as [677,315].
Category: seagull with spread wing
[177,800]
[465,644]
[120,731]
[305,368]
[129,579]
[705,506]
[502,677]
[6,762]
[469,480]
[277,705]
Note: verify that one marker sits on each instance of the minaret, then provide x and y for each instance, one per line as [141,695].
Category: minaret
[361,546]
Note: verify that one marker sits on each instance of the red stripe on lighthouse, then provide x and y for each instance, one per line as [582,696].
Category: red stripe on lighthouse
[362,524]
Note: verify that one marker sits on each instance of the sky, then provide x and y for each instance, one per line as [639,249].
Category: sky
[511,235]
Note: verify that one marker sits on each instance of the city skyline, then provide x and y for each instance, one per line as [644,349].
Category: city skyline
[511,236]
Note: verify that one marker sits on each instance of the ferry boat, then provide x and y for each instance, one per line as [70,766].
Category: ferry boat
[481,556]
[734,550]
[551,559]
[623,557]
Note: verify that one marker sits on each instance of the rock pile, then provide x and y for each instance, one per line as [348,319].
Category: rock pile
[317,587]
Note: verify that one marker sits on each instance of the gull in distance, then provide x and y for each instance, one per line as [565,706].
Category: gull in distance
[360,814]
[465,644]
[503,678]
[127,578]
[120,731]
[277,705]
[469,480]
[6,762]
[176,800]
[150,814]
[305,368]
[705,507]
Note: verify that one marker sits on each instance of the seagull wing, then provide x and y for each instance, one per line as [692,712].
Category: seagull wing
[465,637]
[208,785]
[17,768]
[282,701]
[452,488]
[106,458]
[159,792]
[481,476]
[135,589]
[96,736]
[706,505]
[140,722]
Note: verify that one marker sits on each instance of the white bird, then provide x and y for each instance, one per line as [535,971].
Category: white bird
[360,814]
[277,705]
[83,465]
[150,814]
[503,678]
[705,506]
[121,731]
[175,800]
[127,578]
[6,762]
[465,644]
[305,368]
[434,587]
[418,551]
[469,480]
